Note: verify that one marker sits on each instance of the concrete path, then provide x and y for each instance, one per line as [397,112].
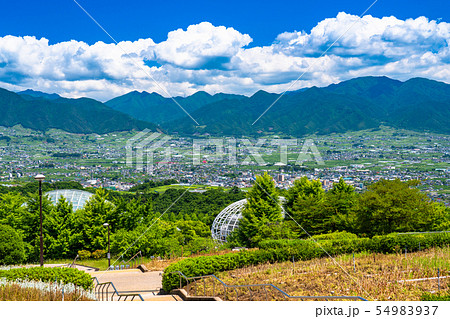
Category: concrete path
[131,280]
[147,284]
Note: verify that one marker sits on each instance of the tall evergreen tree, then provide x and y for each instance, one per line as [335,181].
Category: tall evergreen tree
[304,205]
[262,213]
[98,210]
[58,229]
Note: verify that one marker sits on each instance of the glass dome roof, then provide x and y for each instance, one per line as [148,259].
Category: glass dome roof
[228,220]
[76,197]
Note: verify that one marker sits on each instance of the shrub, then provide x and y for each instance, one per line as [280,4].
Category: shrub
[381,244]
[84,254]
[99,253]
[12,250]
[61,275]
[335,236]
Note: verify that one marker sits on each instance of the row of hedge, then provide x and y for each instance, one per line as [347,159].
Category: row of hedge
[283,250]
[61,275]
[391,243]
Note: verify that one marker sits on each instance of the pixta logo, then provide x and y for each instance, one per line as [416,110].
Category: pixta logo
[143,148]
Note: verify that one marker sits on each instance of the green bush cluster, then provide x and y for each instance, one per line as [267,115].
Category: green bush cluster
[12,249]
[84,254]
[339,235]
[99,253]
[61,275]
[284,250]
[380,244]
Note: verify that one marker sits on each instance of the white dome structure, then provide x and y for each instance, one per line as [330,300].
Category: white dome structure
[76,197]
[228,220]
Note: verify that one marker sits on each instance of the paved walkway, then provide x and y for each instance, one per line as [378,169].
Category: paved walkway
[147,284]
[131,279]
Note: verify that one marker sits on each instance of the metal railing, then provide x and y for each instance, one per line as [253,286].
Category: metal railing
[103,293]
[73,262]
[191,280]
[133,262]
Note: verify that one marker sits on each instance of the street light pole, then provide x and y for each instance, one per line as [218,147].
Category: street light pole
[109,252]
[40,178]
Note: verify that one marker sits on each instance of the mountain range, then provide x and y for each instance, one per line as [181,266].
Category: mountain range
[155,108]
[360,103]
[356,104]
[41,111]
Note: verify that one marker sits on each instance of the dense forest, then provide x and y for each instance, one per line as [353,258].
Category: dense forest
[387,206]
[168,223]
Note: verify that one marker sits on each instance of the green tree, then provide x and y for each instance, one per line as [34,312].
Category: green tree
[12,210]
[394,206]
[129,214]
[90,234]
[191,229]
[304,188]
[58,230]
[340,204]
[441,217]
[161,239]
[30,225]
[12,249]
[304,204]
[261,215]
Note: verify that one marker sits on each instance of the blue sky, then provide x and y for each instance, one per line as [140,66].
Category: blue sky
[227,46]
[62,20]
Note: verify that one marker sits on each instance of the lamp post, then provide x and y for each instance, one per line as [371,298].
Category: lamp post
[109,253]
[40,178]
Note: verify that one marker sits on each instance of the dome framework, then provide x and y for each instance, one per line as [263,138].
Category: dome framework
[78,198]
[228,220]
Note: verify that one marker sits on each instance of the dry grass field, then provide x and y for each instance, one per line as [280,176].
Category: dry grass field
[371,276]
[15,292]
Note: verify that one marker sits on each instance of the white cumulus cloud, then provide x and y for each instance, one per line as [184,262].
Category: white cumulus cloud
[218,59]
[201,46]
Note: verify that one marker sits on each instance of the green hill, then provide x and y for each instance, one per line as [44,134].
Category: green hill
[155,108]
[357,104]
[31,95]
[72,115]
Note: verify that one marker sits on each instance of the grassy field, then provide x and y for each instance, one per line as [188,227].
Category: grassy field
[162,189]
[102,263]
[372,276]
